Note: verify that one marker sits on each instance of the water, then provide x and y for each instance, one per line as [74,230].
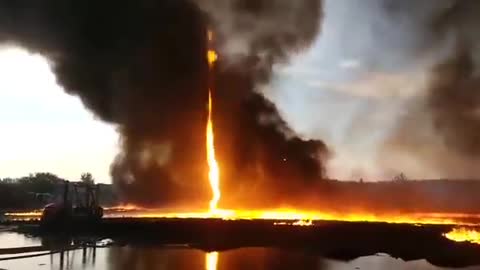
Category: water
[128,258]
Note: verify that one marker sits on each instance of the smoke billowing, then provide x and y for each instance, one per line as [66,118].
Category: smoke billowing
[446,121]
[454,91]
[141,66]
[391,87]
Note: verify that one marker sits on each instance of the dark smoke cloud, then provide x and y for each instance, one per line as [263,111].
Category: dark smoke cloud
[442,130]
[137,64]
[454,97]
[141,66]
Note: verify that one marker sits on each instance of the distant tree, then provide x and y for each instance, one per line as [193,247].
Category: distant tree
[87,178]
[8,180]
[40,182]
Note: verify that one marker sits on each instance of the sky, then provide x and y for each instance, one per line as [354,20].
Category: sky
[43,129]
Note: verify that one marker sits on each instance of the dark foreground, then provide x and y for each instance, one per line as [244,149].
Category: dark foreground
[335,240]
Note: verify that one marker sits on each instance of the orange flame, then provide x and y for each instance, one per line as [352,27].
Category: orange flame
[214,171]
[464,235]
[213,168]
[212,57]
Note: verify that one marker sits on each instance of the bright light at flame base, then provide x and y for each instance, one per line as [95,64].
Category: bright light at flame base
[211,261]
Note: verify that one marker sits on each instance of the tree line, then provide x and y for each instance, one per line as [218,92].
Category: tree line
[34,190]
[43,182]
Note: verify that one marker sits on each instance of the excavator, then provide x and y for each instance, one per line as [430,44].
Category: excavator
[81,207]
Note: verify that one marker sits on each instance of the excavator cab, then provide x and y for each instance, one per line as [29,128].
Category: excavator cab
[82,206]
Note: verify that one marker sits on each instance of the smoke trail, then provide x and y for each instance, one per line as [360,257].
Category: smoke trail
[141,66]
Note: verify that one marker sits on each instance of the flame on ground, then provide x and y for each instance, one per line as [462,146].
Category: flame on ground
[463,234]
[286,216]
[32,214]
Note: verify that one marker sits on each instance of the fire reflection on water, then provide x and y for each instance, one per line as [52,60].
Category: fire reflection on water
[211,261]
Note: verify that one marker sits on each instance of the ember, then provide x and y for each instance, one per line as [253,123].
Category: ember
[301,216]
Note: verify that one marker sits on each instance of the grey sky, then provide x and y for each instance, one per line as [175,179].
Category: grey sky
[42,129]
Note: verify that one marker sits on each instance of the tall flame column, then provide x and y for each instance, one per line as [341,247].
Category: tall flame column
[213,168]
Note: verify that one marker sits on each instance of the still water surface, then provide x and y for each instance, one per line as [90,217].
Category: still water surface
[128,258]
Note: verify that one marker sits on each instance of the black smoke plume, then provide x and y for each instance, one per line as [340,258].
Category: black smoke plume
[442,130]
[141,65]
[454,98]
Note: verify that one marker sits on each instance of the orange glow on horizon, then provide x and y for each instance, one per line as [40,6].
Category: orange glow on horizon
[281,214]
[304,217]
[301,223]
[32,214]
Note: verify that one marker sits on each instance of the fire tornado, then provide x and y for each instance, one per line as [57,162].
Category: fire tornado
[213,168]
